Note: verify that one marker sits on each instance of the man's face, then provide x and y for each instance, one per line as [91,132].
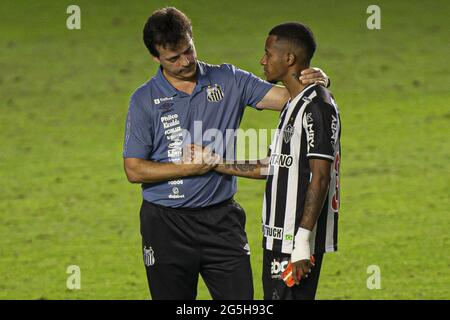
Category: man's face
[179,62]
[274,60]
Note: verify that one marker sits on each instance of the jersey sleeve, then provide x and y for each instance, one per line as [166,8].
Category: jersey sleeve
[319,122]
[138,139]
[252,88]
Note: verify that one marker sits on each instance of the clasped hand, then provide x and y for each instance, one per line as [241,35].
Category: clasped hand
[200,159]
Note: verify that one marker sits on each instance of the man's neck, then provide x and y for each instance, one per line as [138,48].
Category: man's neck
[185,85]
[292,83]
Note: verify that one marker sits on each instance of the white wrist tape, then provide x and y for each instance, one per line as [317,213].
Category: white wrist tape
[301,250]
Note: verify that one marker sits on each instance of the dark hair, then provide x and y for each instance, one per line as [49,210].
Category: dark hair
[299,35]
[166,27]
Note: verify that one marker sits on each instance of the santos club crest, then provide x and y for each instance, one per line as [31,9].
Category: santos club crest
[214,94]
[149,256]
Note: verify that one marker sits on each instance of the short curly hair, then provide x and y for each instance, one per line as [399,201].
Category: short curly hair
[166,27]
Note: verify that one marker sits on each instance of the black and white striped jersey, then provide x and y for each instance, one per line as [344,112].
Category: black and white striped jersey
[309,128]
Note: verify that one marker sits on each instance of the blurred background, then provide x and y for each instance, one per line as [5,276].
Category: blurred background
[64,198]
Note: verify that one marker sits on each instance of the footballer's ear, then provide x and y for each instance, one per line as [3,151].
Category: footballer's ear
[291,59]
[156,59]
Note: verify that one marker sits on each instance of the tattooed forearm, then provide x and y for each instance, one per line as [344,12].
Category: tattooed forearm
[315,197]
[244,169]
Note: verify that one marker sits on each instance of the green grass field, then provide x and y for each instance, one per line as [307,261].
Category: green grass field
[64,199]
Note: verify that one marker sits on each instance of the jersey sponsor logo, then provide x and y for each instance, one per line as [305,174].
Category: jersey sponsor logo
[149,256]
[309,130]
[272,232]
[172,123]
[175,182]
[247,248]
[335,200]
[176,194]
[277,267]
[175,153]
[334,129]
[169,117]
[288,132]
[289,237]
[175,144]
[171,131]
[215,93]
[159,100]
[281,160]
[177,136]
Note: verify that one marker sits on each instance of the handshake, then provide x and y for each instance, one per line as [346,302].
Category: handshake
[198,159]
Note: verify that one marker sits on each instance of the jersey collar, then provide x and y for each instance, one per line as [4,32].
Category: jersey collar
[293,102]
[203,79]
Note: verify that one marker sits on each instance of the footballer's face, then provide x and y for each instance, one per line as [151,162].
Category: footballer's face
[273,60]
[179,62]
